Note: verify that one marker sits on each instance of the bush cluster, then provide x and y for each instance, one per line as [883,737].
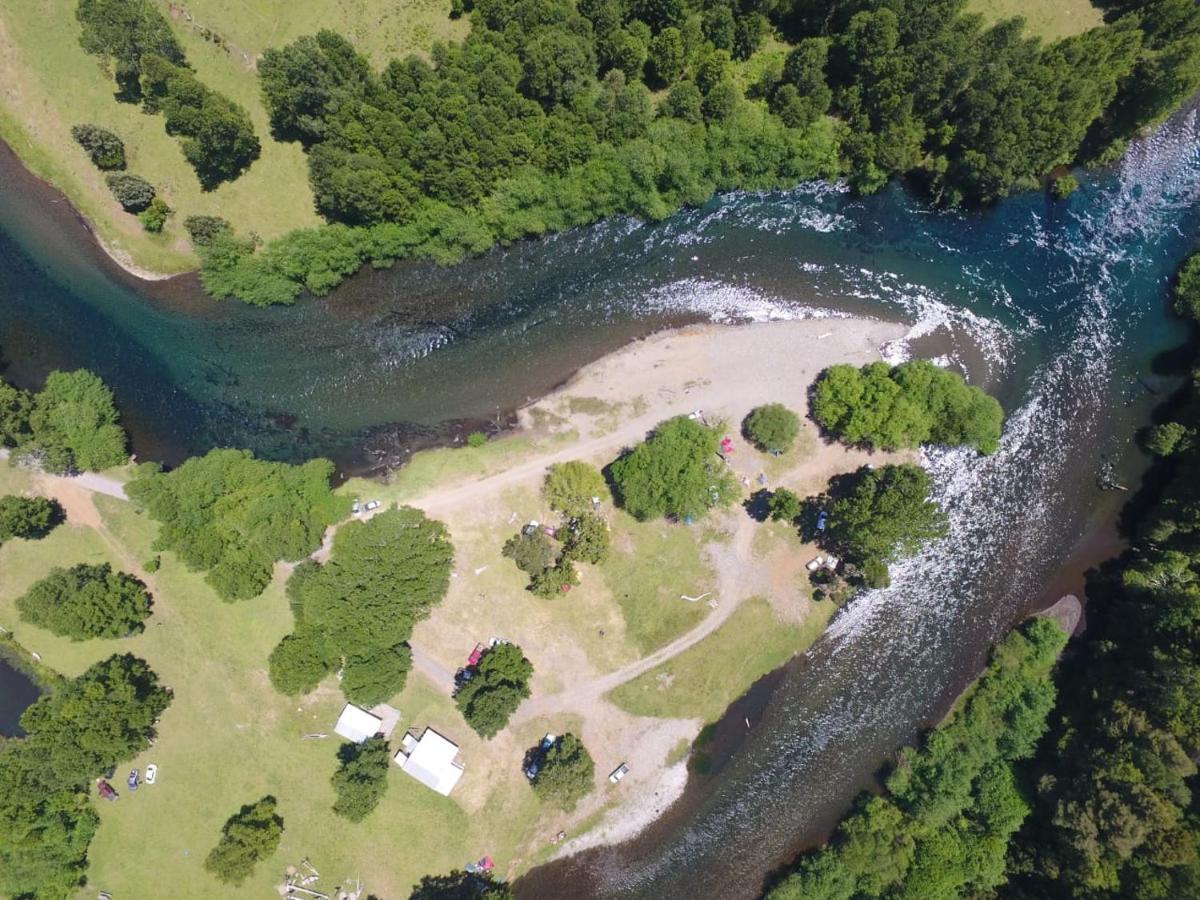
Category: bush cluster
[133,192]
[358,610]
[250,834]
[551,568]
[773,428]
[566,773]
[103,147]
[28,517]
[361,779]
[904,406]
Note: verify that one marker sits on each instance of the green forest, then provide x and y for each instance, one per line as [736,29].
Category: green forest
[553,114]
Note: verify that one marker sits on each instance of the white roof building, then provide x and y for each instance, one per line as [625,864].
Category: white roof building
[355,724]
[431,760]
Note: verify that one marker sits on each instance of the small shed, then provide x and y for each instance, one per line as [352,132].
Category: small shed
[431,760]
[357,725]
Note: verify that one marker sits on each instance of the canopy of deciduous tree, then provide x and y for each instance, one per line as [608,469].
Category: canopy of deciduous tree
[234,516]
[250,834]
[772,427]
[904,406]
[86,601]
[500,682]
[566,773]
[356,611]
[361,779]
[28,517]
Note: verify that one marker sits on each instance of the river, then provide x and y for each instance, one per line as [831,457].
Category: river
[1058,308]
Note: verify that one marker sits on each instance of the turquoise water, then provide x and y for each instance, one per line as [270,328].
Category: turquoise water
[1059,308]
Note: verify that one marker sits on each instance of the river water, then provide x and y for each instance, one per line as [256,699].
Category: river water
[1058,308]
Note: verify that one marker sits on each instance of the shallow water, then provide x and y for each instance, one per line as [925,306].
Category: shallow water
[17,693]
[1058,308]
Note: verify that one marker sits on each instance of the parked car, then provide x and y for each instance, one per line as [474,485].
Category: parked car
[618,773]
[822,520]
[106,790]
[356,507]
[476,655]
[151,773]
[548,742]
[372,505]
[133,780]
[531,772]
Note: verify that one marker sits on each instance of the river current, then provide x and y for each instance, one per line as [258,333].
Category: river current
[1059,308]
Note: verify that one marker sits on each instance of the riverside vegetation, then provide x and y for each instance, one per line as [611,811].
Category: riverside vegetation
[544,118]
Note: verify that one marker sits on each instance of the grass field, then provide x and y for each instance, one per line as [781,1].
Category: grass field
[1049,19]
[50,84]
[752,643]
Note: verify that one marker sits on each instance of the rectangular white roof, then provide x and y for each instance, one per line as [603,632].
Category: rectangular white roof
[431,762]
[355,724]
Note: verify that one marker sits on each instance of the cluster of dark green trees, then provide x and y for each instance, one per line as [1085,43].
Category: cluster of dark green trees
[542,119]
[565,773]
[1116,806]
[499,682]
[74,734]
[218,136]
[86,601]
[104,148]
[356,612]
[916,402]
[459,885]
[942,827]
[772,428]
[234,516]
[30,518]
[250,834]
[70,425]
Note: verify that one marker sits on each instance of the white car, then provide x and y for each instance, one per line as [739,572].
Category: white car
[373,505]
[618,773]
[151,773]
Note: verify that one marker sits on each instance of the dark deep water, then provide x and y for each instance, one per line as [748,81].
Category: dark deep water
[1059,308]
[17,693]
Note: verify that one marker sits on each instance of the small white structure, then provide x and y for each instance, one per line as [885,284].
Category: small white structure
[355,724]
[431,760]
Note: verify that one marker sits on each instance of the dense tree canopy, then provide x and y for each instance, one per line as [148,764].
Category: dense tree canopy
[675,472]
[86,601]
[500,681]
[102,718]
[882,514]
[28,517]
[942,826]
[71,424]
[566,773]
[1115,812]
[904,406]
[133,192]
[250,834]
[356,611]
[234,516]
[361,779]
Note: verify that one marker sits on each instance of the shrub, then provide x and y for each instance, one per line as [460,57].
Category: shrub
[133,192]
[911,404]
[675,472]
[104,148]
[476,439]
[1169,438]
[566,773]
[772,428]
[298,663]
[556,580]
[1187,288]
[203,230]
[28,517]
[500,683]
[570,487]
[86,601]
[361,780]
[1064,186]
[155,216]
[251,834]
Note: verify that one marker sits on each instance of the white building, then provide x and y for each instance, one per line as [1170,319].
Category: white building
[355,724]
[431,760]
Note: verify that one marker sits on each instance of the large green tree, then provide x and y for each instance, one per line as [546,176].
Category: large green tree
[361,779]
[500,682]
[675,472]
[356,611]
[28,517]
[570,487]
[73,424]
[566,773]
